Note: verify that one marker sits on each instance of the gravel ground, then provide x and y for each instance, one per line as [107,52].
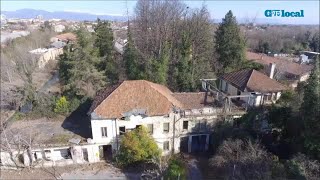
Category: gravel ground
[92,171]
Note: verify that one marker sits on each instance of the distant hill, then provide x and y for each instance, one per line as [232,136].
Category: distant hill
[76,16]
[257,21]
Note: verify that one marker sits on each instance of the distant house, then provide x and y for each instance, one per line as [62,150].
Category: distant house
[57,44]
[307,57]
[65,37]
[261,88]
[177,121]
[59,28]
[286,71]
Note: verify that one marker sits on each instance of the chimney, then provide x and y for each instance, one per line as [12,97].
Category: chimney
[272,67]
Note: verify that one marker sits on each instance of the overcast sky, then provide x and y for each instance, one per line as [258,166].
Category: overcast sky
[217,9]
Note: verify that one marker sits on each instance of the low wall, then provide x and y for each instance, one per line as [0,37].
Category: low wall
[53,156]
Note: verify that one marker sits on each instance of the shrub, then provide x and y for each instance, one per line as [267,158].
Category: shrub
[62,105]
[74,104]
[176,169]
[137,146]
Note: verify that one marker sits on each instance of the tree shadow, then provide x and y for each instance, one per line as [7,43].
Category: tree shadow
[78,121]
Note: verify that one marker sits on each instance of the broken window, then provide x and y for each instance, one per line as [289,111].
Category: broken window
[64,153]
[185,125]
[104,132]
[122,130]
[166,145]
[150,128]
[47,154]
[165,127]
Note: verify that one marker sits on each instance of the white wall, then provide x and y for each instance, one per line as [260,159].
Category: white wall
[131,123]
[231,89]
[157,121]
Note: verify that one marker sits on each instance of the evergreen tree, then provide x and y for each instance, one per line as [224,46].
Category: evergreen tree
[104,39]
[184,72]
[230,45]
[104,44]
[311,111]
[78,67]
[131,59]
[160,66]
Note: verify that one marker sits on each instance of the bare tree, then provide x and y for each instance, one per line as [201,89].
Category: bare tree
[237,159]
[16,144]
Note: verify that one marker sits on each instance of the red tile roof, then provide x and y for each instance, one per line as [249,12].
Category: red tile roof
[252,80]
[195,100]
[156,99]
[281,65]
[67,37]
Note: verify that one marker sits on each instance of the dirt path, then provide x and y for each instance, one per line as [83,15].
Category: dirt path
[194,171]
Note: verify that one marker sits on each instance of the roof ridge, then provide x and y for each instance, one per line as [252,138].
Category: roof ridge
[251,72]
[151,85]
[107,96]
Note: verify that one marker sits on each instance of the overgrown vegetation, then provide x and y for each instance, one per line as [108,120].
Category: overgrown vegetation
[176,169]
[137,146]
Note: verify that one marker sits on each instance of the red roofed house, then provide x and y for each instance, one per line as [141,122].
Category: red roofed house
[177,121]
[251,82]
[289,72]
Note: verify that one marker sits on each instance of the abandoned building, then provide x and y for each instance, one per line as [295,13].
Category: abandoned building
[177,121]
[252,87]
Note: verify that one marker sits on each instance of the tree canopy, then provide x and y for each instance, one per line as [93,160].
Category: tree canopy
[311,111]
[230,44]
[137,146]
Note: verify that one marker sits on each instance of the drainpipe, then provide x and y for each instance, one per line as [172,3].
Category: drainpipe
[173,132]
[117,140]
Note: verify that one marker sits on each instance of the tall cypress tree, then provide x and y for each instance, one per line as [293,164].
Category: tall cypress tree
[230,45]
[78,67]
[131,59]
[104,43]
[160,66]
[184,72]
[311,111]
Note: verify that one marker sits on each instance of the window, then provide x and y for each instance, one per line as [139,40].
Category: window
[185,125]
[104,132]
[166,145]
[226,87]
[165,127]
[150,128]
[122,130]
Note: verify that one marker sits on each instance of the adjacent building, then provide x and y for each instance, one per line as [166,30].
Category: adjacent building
[288,72]
[253,87]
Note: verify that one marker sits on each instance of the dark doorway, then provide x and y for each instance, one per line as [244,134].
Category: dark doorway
[105,152]
[198,143]
[184,144]
[238,93]
[85,154]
